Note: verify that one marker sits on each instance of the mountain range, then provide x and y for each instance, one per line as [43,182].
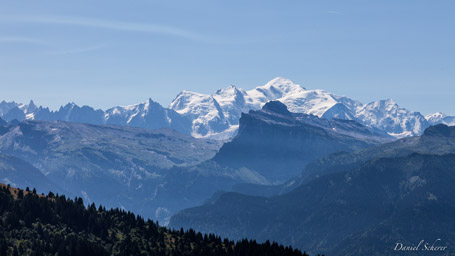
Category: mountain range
[149,114]
[217,115]
[360,203]
[314,170]
[159,172]
[272,146]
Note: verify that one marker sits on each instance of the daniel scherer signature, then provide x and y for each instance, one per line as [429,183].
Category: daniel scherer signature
[421,246]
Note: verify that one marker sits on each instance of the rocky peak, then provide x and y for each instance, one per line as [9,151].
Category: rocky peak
[276,107]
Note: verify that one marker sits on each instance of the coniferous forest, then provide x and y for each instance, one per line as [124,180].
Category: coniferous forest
[34,224]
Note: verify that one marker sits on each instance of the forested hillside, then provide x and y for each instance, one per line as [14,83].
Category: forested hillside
[33,224]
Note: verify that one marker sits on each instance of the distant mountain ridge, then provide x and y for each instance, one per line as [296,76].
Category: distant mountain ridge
[438,139]
[159,172]
[102,163]
[364,211]
[359,203]
[272,146]
[149,115]
[217,115]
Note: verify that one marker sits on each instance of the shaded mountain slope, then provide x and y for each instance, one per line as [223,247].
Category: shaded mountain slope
[118,166]
[19,173]
[272,146]
[364,211]
[157,173]
[439,139]
[278,144]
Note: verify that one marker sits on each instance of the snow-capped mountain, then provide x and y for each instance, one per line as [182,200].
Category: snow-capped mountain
[205,112]
[13,110]
[440,118]
[149,114]
[217,115]
[386,115]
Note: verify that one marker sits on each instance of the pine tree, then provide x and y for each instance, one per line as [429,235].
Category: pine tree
[20,194]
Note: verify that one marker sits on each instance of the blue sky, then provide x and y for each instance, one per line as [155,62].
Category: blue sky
[107,53]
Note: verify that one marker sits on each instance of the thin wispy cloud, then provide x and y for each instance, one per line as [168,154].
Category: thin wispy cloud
[107,24]
[76,50]
[26,40]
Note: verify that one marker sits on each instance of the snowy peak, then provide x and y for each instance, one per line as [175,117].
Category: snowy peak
[148,114]
[339,111]
[131,111]
[383,105]
[283,85]
[275,89]
[228,91]
[435,116]
[315,102]
[194,104]
[148,106]
[440,118]
[207,115]
[31,107]
[229,95]
[68,107]
[386,115]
